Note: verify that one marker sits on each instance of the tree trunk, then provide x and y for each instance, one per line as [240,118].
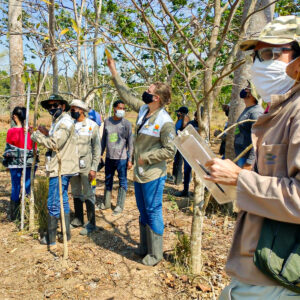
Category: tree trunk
[197,227]
[16,58]
[241,75]
[53,47]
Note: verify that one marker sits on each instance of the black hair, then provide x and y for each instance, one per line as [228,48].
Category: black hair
[116,103]
[295,46]
[20,112]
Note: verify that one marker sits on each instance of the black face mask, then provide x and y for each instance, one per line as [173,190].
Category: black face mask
[178,116]
[55,112]
[75,115]
[147,98]
[243,94]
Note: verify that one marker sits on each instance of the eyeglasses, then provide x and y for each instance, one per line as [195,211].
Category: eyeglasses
[266,54]
[53,105]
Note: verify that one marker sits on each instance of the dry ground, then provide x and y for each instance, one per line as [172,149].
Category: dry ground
[103,265]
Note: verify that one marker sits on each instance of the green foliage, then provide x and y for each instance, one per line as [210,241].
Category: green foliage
[182,252]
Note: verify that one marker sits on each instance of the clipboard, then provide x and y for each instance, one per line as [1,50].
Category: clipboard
[196,152]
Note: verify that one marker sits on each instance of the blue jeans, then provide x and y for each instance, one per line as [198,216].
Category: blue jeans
[187,176]
[53,203]
[111,165]
[16,174]
[149,202]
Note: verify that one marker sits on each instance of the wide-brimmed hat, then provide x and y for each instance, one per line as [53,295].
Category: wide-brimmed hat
[55,97]
[183,110]
[80,104]
[280,31]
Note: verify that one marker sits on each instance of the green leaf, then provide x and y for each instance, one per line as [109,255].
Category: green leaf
[64,31]
[74,26]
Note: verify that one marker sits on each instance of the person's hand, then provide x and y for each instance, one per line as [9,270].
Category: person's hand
[92,175]
[141,162]
[222,171]
[112,66]
[247,167]
[129,165]
[30,130]
[43,130]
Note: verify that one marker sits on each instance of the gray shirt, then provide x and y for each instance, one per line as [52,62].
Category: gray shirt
[117,139]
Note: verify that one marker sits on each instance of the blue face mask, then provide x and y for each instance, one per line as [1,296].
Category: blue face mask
[243,94]
[147,98]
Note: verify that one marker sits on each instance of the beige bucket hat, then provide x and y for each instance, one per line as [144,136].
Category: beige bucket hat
[80,104]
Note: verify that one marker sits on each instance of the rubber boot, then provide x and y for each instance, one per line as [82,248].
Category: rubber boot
[50,238]
[142,249]
[107,200]
[14,210]
[68,230]
[91,224]
[155,248]
[121,201]
[78,218]
[183,193]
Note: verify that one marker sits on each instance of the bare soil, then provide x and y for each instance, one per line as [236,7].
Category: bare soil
[103,265]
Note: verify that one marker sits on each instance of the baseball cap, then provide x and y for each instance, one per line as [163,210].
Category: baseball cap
[183,110]
[280,31]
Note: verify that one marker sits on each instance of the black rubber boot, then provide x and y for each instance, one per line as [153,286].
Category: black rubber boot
[78,218]
[50,238]
[107,200]
[121,201]
[91,224]
[142,249]
[14,210]
[68,230]
[155,248]
[182,194]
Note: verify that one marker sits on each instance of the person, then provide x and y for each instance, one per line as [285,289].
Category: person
[270,191]
[242,138]
[153,146]
[187,170]
[59,140]
[89,148]
[181,123]
[117,140]
[14,159]
[225,108]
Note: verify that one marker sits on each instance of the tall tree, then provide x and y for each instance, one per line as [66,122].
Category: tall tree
[16,60]
[256,22]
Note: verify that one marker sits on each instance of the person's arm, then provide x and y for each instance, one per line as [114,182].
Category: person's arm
[271,197]
[167,150]
[185,121]
[103,140]
[123,90]
[57,140]
[96,149]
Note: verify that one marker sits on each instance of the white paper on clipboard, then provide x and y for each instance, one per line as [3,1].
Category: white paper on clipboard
[196,152]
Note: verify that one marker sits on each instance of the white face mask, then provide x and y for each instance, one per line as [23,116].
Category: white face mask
[120,114]
[270,78]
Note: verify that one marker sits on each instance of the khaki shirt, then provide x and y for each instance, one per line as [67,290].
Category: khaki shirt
[273,192]
[88,143]
[154,141]
[62,138]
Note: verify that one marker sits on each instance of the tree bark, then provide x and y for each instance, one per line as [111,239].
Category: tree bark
[241,75]
[53,47]
[16,60]
[197,227]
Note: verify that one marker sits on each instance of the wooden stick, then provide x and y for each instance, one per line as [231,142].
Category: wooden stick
[233,125]
[243,153]
[62,212]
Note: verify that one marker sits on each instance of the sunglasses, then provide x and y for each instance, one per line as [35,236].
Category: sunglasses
[53,105]
[266,54]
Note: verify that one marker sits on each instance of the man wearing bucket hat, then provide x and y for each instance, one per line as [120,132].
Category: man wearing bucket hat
[89,149]
[60,138]
[264,258]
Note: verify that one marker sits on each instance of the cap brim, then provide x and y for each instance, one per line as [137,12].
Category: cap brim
[251,44]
